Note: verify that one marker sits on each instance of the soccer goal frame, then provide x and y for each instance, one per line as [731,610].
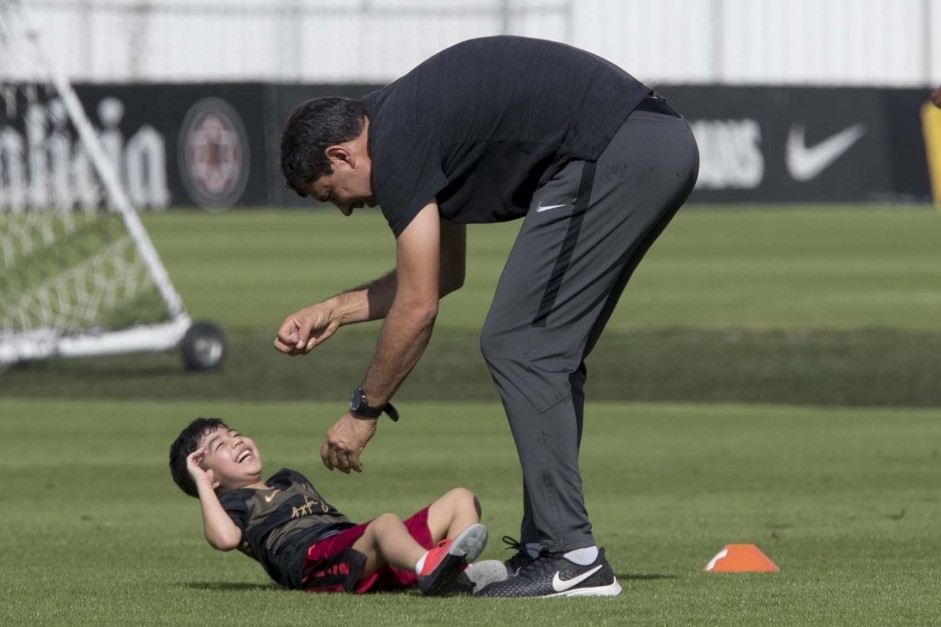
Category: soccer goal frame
[202,344]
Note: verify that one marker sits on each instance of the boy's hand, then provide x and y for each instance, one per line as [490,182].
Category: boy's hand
[199,475]
[345,441]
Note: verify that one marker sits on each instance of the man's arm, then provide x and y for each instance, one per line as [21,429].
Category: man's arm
[429,261]
[220,531]
[302,331]
[410,320]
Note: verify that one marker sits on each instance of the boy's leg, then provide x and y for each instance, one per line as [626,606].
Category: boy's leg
[444,565]
[393,549]
[386,540]
[452,513]
[378,555]
[439,569]
[447,517]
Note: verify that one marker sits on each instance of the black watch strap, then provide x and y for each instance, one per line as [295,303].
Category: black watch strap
[359,406]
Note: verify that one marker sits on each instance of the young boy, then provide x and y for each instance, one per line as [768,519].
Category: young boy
[303,542]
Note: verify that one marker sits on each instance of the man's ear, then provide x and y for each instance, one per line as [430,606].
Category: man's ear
[340,155]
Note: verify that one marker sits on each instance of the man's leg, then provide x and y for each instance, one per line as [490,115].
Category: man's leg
[541,414]
[561,282]
[529,543]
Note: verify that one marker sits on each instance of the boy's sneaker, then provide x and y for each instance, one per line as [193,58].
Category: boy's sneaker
[485,572]
[478,576]
[551,575]
[447,561]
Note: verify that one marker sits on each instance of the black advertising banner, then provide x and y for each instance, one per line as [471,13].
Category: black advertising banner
[216,145]
[213,143]
[172,145]
[806,144]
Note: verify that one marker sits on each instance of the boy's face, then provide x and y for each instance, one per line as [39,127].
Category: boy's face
[232,458]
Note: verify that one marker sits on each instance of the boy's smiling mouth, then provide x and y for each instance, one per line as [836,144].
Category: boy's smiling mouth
[244,456]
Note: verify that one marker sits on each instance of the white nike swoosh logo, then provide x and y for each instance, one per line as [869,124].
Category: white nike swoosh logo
[269,497]
[540,208]
[560,585]
[804,163]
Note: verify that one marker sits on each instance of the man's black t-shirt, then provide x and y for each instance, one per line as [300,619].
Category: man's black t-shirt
[279,525]
[479,126]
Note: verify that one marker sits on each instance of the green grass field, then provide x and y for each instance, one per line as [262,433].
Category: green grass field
[845,502]
[836,268]
[820,305]
[772,376]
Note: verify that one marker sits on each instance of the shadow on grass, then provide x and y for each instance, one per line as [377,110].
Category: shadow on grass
[851,368]
[213,586]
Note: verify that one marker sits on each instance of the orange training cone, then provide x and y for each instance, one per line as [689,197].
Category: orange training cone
[740,558]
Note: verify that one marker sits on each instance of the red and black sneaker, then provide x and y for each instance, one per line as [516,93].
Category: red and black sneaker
[447,561]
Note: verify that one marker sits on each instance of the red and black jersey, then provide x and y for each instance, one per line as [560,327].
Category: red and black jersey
[281,523]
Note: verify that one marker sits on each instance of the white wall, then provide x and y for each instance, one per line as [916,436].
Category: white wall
[857,42]
[854,42]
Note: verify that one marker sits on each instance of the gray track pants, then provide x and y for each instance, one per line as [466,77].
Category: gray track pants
[586,231]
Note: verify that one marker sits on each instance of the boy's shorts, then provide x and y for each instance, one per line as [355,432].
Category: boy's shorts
[332,565]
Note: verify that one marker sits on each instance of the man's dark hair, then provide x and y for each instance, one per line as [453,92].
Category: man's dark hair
[314,126]
[186,443]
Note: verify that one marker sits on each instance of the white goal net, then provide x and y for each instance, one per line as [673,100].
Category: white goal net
[78,274]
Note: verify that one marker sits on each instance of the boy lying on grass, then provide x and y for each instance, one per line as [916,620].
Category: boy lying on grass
[304,543]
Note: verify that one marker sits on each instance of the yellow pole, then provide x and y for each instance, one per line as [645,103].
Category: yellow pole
[931,127]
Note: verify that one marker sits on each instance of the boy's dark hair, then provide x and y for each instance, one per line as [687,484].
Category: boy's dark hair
[186,443]
[314,126]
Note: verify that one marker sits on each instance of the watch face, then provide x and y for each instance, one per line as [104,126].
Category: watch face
[359,405]
[356,400]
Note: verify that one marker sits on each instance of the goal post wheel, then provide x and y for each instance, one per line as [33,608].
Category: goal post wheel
[203,347]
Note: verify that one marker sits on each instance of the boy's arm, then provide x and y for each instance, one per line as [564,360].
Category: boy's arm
[221,532]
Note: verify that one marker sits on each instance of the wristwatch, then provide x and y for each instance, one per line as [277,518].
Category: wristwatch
[360,408]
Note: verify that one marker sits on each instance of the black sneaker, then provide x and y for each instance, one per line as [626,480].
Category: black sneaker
[551,575]
[520,559]
[446,562]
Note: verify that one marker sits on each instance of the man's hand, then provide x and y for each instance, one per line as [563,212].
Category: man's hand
[936,97]
[345,441]
[200,476]
[302,331]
